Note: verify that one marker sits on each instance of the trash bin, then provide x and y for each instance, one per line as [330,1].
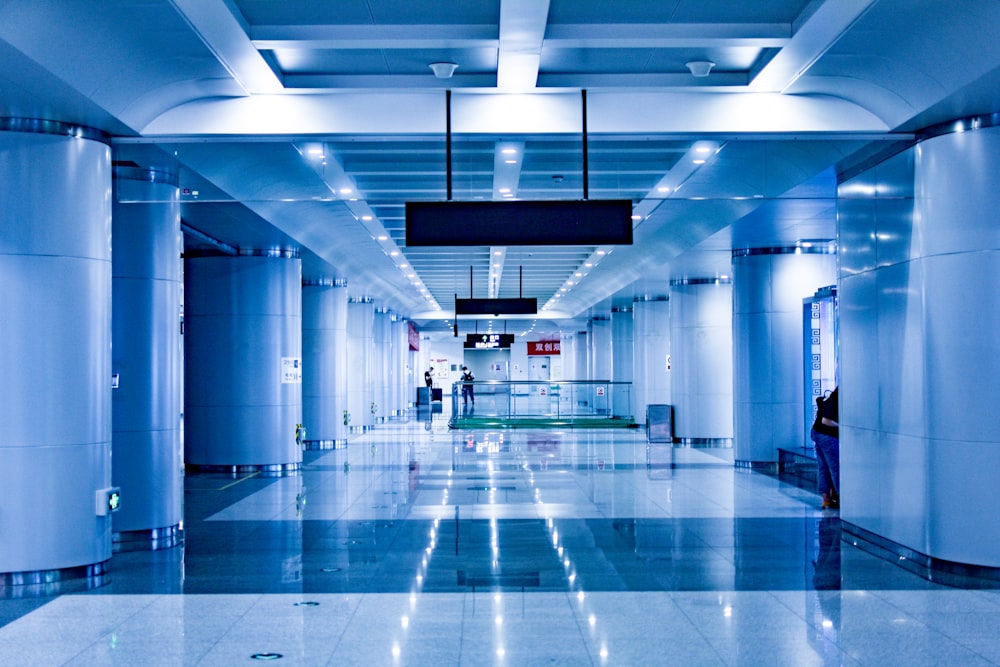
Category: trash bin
[659,423]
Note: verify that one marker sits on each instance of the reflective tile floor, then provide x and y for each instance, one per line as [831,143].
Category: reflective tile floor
[416,545]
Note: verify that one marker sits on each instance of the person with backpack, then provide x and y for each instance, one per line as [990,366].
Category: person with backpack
[467,390]
[825,434]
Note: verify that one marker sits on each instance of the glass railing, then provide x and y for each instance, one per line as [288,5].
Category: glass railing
[536,403]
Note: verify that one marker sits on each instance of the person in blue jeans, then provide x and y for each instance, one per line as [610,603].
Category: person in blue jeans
[467,390]
[825,435]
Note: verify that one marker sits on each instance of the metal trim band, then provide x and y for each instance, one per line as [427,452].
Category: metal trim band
[700,281]
[766,467]
[361,299]
[967,124]
[947,572]
[145,174]
[42,583]
[318,445]
[42,126]
[646,298]
[283,253]
[622,309]
[265,470]
[704,442]
[822,249]
[324,282]
[153,539]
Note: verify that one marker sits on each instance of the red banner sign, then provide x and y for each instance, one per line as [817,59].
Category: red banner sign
[547,348]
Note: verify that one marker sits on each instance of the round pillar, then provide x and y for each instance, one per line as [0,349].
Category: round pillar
[243,361]
[769,285]
[360,352]
[917,304]
[651,358]
[621,363]
[146,358]
[55,349]
[324,356]
[701,341]
[381,364]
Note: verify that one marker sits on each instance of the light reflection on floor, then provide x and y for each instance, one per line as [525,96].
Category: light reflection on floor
[431,547]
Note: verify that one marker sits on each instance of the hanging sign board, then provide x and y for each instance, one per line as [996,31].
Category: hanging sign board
[488,341]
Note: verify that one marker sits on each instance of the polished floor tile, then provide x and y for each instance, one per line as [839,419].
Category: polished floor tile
[431,547]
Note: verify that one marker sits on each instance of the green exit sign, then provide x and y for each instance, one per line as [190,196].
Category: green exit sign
[108,500]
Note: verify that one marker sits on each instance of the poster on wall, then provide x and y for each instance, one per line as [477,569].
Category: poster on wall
[291,370]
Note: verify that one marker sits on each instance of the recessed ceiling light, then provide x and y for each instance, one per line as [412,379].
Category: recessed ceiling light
[663,188]
[510,161]
[509,151]
[703,149]
[497,252]
[502,190]
[394,253]
[346,191]
[383,237]
[403,265]
[699,162]
[589,264]
[579,275]
[366,217]
[600,252]
[637,217]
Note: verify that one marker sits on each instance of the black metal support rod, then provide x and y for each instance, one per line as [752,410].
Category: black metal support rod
[447,134]
[586,158]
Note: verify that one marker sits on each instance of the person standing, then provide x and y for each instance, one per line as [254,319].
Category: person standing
[429,376]
[468,393]
[825,434]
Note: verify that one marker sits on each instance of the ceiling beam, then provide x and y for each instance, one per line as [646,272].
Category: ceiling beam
[347,37]
[813,37]
[225,34]
[522,30]
[668,35]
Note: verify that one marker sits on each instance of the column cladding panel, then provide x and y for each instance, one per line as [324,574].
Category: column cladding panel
[360,351]
[324,360]
[243,327]
[701,339]
[921,320]
[146,354]
[768,289]
[55,349]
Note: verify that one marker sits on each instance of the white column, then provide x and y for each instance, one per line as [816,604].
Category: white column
[324,360]
[360,350]
[701,343]
[651,358]
[381,364]
[622,360]
[919,312]
[146,352]
[55,349]
[243,360]
[769,285]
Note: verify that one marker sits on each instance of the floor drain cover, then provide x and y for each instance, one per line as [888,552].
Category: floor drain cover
[308,603]
[266,656]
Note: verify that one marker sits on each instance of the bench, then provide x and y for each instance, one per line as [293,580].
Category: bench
[797,465]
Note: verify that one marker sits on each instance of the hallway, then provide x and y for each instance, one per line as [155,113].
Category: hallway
[417,545]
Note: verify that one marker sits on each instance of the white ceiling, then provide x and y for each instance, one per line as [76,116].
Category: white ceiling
[309,123]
